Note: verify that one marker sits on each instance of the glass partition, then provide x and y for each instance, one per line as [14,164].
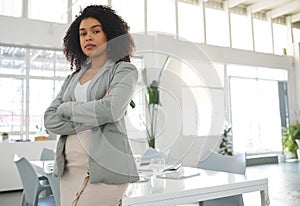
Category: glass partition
[255,108]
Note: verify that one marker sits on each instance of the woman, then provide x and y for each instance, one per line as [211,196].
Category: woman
[93,155]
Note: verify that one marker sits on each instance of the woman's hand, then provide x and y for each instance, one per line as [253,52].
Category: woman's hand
[105,95]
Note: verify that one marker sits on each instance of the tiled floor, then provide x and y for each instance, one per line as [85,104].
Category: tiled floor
[284,186]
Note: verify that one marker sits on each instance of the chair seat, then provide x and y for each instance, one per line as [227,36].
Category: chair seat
[47,201]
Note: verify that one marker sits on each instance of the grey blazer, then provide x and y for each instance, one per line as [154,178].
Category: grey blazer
[110,155]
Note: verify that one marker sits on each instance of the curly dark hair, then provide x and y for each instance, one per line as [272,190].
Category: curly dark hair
[120,44]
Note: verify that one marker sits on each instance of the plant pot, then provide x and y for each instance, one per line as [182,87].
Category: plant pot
[298,142]
[298,153]
[281,158]
[289,155]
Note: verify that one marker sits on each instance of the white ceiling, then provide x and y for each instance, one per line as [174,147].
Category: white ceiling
[272,8]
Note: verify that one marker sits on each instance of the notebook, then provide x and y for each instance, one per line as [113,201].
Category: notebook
[180,173]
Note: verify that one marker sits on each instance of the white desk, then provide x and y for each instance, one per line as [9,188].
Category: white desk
[207,185]
[169,192]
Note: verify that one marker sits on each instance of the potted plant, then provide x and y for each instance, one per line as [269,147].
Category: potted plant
[290,137]
[41,134]
[225,147]
[152,100]
[4,136]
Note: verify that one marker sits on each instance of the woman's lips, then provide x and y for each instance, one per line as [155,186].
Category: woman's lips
[89,46]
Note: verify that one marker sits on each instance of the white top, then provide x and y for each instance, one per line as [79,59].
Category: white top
[80,91]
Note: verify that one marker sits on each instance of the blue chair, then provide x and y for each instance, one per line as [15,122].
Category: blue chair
[31,184]
[224,163]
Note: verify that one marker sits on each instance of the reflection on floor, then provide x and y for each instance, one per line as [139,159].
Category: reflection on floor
[284,186]
[284,183]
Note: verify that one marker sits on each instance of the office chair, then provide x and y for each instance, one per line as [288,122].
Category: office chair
[31,184]
[224,163]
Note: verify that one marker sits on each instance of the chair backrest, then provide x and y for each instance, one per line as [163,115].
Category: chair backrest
[224,163]
[47,154]
[153,153]
[29,178]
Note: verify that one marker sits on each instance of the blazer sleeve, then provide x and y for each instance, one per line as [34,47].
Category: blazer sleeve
[109,109]
[55,122]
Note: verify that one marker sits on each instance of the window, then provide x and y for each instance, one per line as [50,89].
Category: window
[12,106]
[280,34]
[161,16]
[53,11]
[13,60]
[28,91]
[41,93]
[217,32]
[240,32]
[190,14]
[262,36]
[296,34]
[136,19]
[81,4]
[255,108]
[11,7]
[41,63]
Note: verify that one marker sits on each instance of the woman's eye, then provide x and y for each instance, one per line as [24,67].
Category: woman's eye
[82,34]
[97,31]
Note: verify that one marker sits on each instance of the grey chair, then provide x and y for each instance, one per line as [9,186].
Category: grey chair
[47,154]
[55,187]
[31,185]
[224,163]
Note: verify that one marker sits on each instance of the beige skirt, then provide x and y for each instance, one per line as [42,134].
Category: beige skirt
[75,188]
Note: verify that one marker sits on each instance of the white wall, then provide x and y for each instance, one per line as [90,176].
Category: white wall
[27,32]
[294,83]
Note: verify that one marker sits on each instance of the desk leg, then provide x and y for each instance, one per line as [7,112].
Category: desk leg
[264,198]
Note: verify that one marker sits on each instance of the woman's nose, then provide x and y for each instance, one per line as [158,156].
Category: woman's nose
[88,36]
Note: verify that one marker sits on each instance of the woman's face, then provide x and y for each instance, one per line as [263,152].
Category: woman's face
[92,38]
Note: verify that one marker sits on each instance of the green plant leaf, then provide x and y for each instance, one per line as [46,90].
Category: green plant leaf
[289,135]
